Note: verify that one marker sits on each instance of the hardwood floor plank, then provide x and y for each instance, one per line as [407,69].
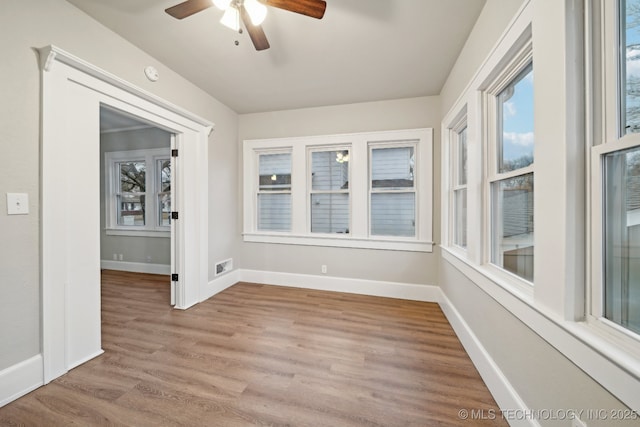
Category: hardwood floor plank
[262,355]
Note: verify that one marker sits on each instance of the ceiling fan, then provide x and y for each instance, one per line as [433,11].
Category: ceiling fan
[252,13]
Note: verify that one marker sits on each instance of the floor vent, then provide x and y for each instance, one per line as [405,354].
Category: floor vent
[224,266]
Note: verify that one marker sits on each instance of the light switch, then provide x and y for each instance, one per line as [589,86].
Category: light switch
[17,203]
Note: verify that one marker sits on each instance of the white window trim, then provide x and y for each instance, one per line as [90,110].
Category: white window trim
[151,157]
[358,145]
[458,124]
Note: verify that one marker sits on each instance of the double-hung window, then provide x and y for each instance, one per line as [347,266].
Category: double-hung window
[329,193]
[138,191]
[510,168]
[615,175]
[393,190]
[459,185]
[274,191]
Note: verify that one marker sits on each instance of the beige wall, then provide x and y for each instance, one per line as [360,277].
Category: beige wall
[393,266]
[29,24]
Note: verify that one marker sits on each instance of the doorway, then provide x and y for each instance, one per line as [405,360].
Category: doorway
[73,92]
[136,192]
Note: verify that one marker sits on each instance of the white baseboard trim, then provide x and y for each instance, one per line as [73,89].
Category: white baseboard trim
[219,284]
[408,291]
[20,379]
[503,392]
[85,359]
[135,267]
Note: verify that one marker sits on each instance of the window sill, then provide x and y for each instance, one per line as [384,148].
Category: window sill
[588,344]
[138,233]
[340,242]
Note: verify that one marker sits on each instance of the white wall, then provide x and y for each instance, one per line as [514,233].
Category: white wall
[29,24]
[393,266]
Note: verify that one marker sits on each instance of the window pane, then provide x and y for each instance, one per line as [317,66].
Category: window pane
[622,238]
[460,217]
[392,168]
[462,157]
[274,212]
[515,126]
[512,231]
[631,66]
[164,209]
[330,170]
[275,172]
[330,213]
[164,168]
[393,214]
[131,209]
[132,177]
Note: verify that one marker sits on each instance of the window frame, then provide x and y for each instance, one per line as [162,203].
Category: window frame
[151,157]
[258,191]
[459,125]
[606,135]
[358,144]
[497,82]
[311,191]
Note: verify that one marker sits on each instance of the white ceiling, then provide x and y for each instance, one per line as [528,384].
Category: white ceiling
[362,50]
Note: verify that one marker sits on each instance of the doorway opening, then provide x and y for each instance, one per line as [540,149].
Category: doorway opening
[135,196]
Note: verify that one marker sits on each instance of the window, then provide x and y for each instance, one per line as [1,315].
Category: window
[511,171]
[365,190]
[329,194]
[615,175]
[393,193]
[459,187]
[274,191]
[138,191]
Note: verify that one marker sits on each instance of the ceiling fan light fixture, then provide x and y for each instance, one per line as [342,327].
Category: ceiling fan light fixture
[256,10]
[222,4]
[231,18]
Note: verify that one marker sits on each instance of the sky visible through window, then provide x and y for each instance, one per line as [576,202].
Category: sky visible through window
[517,122]
[632,84]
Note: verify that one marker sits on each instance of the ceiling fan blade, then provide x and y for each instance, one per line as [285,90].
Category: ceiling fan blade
[312,8]
[256,32]
[188,8]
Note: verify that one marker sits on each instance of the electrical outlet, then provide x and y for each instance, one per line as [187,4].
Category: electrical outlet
[120,257]
[115,257]
[148,258]
[17,204]
[323,269]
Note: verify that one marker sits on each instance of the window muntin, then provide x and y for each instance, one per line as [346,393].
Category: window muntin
[460,188]
[511,180]
[274,191]
[329,193]
[393,192]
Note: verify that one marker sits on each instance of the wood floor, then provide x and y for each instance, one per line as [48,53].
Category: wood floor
[262,355]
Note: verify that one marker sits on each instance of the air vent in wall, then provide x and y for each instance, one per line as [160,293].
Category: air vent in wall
[224,266]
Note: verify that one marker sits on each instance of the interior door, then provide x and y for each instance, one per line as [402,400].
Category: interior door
[175,277]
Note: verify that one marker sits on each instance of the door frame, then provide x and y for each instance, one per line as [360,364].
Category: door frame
[71,333]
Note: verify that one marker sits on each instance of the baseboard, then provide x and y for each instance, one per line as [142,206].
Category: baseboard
[415,292]
[503,392]
[135,267]
[219,284]
[20,379]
